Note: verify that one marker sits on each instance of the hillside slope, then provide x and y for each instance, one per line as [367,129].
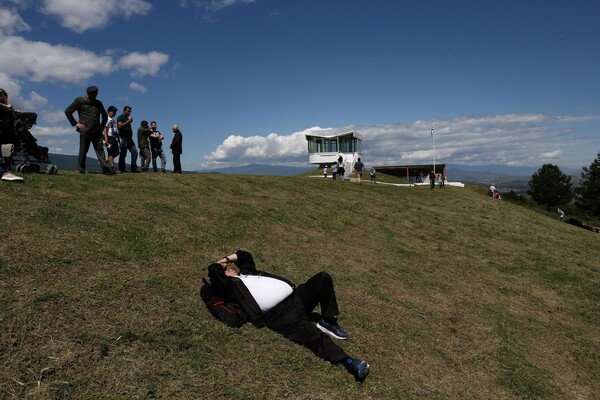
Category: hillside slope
[447,293]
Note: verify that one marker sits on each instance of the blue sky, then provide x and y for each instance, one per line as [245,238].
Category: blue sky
[505,82]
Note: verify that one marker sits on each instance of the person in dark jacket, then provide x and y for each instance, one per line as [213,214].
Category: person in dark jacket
[273,301]
[90,126]
[143,134]
[176,149]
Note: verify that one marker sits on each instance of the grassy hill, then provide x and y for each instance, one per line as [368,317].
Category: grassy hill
[447,293]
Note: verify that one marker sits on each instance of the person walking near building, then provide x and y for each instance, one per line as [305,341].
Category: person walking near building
[373,174]
[126,135]
[431,180]
[143,135]
[334,171]
[359,167]
[325,172]
[156,149]
[92,119]
[177,149]
[111,139]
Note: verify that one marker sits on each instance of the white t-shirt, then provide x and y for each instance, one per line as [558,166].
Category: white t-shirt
[112,127]
[267,291]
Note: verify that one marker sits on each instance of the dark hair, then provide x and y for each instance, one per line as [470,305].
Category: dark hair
[144,123]
[153,122]
[126,108]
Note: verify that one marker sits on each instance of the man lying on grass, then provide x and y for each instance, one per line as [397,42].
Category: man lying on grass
[274,301]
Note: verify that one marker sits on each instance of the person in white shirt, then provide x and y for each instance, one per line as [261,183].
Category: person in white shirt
[273,301]
[111,138]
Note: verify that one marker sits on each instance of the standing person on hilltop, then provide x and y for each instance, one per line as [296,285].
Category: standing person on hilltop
[373,174]
[143,134]
[111,138]
[359,167]
[431,180]
[90,126]
[325,172]
[177,149]
[126,135]
[156,149]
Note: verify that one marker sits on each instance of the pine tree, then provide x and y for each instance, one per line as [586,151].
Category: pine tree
[588,193]
[550,186]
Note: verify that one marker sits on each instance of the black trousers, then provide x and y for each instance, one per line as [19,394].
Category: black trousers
[290,317]
[177,163]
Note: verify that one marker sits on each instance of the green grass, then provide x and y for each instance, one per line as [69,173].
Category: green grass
[447,293]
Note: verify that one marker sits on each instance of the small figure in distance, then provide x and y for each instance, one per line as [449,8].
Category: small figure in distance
[359,167]
[177,149]
[144,145]
[92,120]
[431,180]
[561,215]
[325,172]
[111,140]
[126,135]
[373,175]
[156,139]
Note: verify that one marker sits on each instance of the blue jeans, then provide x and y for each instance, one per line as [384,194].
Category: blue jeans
[127,144]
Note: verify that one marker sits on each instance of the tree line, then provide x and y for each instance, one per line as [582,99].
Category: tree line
[552,188]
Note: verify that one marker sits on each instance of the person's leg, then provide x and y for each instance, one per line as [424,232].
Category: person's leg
[177,163]
[98,143]
[163,160]
[84,146]
[134,156]
[154,155]
[289,319]
[123,154]
[319,290]
[145,158]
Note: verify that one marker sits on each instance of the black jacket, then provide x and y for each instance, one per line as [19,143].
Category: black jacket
[177,143]
[233,288]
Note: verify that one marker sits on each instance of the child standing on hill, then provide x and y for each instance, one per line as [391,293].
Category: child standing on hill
[111,140]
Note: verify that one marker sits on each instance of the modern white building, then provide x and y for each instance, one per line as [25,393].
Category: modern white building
[326,149]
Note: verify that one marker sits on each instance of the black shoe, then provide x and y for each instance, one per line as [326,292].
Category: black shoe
[358,368]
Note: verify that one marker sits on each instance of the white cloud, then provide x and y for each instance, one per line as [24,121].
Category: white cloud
[144,64]
[515,139]
[273,148]
[34,102]
[551,155]
[52,116]
[213,6]
[82,15]
[11,22]
[138,87]
[39,61]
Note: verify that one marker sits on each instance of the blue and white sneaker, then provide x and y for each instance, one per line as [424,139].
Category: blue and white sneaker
[358,368]
[332,330]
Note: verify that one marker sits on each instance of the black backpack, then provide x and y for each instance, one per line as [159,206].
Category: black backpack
[227,311]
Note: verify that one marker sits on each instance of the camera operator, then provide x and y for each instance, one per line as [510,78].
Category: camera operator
[7,134]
